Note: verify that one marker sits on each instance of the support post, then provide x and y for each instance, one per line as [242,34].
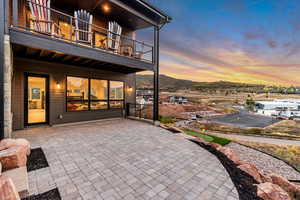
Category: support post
[2,32]
[156,75]
[15,13]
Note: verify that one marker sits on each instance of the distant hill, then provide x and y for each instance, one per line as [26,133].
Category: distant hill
[169,83]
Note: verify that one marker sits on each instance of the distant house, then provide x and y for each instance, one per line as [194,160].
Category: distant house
[178,100]
[280,108]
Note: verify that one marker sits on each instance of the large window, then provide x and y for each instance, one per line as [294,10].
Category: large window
[98,94]
[116,94]
[92,94]
[77,93]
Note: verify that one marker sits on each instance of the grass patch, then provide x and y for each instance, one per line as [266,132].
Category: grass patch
[209,138]
[166,119]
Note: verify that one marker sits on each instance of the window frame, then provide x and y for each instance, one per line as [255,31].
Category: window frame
[118,100]
[66,96]
[89,94]
[107,92]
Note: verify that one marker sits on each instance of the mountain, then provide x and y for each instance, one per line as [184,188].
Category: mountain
[166,82]
[169,83]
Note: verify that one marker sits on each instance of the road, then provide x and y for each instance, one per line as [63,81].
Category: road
[245,119]
[260,139]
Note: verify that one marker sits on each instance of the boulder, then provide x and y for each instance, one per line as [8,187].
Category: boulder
[292,189]
[252,171]
[215,145]
[231,155]
[270,191]
[13,157]
[7,143]
[24,142]
[7,189]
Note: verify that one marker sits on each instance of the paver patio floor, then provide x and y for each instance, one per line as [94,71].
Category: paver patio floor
[125,159]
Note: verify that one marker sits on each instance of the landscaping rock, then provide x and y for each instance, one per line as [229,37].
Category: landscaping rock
[292,189]
[270,191]
[252,171]
[7,143]
[7,189]
[231,155]
[215,145]
[13,157]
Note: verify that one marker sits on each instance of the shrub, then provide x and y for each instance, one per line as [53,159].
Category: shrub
[254,131]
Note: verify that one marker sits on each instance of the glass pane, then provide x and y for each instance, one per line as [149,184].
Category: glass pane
[36,100]
[116,104]
[98,89]
[116,90]
[77,93]
[96,105]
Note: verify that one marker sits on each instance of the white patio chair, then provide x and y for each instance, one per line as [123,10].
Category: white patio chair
[83,26]
[41,17]
[114,36]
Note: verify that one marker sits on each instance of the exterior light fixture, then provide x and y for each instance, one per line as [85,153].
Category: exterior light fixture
[106,8]
[58,86]
[129,89]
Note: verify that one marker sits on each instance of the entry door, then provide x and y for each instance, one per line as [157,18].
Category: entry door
[36,99]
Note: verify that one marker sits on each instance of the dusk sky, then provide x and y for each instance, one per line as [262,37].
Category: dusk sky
[253,41]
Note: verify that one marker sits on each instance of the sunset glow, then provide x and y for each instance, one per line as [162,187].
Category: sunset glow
[251,41]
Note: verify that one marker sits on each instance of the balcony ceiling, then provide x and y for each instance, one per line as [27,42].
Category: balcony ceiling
[116,13]
[57,57]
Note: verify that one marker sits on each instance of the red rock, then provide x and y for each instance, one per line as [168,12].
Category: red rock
[231,155]
[215,145]
[270,191]
[7,189]
[265,177]
[252,171]
[7,143]
[24,142]
[289,187]
[13,157]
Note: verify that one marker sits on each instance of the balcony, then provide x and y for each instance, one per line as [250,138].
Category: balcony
[81,29]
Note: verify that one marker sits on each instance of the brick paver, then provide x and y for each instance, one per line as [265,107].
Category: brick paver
[124,159]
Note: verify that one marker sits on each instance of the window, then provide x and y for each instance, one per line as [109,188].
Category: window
[77,93]
[98,94]
[92,94]
[116,94]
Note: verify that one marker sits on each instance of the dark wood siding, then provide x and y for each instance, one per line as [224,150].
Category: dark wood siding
[57,102]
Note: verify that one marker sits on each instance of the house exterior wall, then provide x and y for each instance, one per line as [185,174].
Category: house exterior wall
[57,97]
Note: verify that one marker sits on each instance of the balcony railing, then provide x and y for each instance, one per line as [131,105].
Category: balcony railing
[141,111]
[56,24]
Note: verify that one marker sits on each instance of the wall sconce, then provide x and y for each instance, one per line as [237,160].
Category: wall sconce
[129,89]
[58,86]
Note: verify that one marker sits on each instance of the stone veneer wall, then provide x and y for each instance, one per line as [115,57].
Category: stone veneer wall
[7,87]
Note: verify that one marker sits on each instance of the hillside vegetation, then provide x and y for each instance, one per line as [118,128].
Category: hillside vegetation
[172,84]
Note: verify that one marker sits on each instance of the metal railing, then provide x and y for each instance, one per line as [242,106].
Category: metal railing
[142,111]
[57,24]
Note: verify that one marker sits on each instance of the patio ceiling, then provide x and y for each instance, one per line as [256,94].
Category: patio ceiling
[57,57]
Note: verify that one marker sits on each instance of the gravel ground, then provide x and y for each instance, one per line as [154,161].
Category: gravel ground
[264,162]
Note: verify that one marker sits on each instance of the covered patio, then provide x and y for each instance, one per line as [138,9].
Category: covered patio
[124,159]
